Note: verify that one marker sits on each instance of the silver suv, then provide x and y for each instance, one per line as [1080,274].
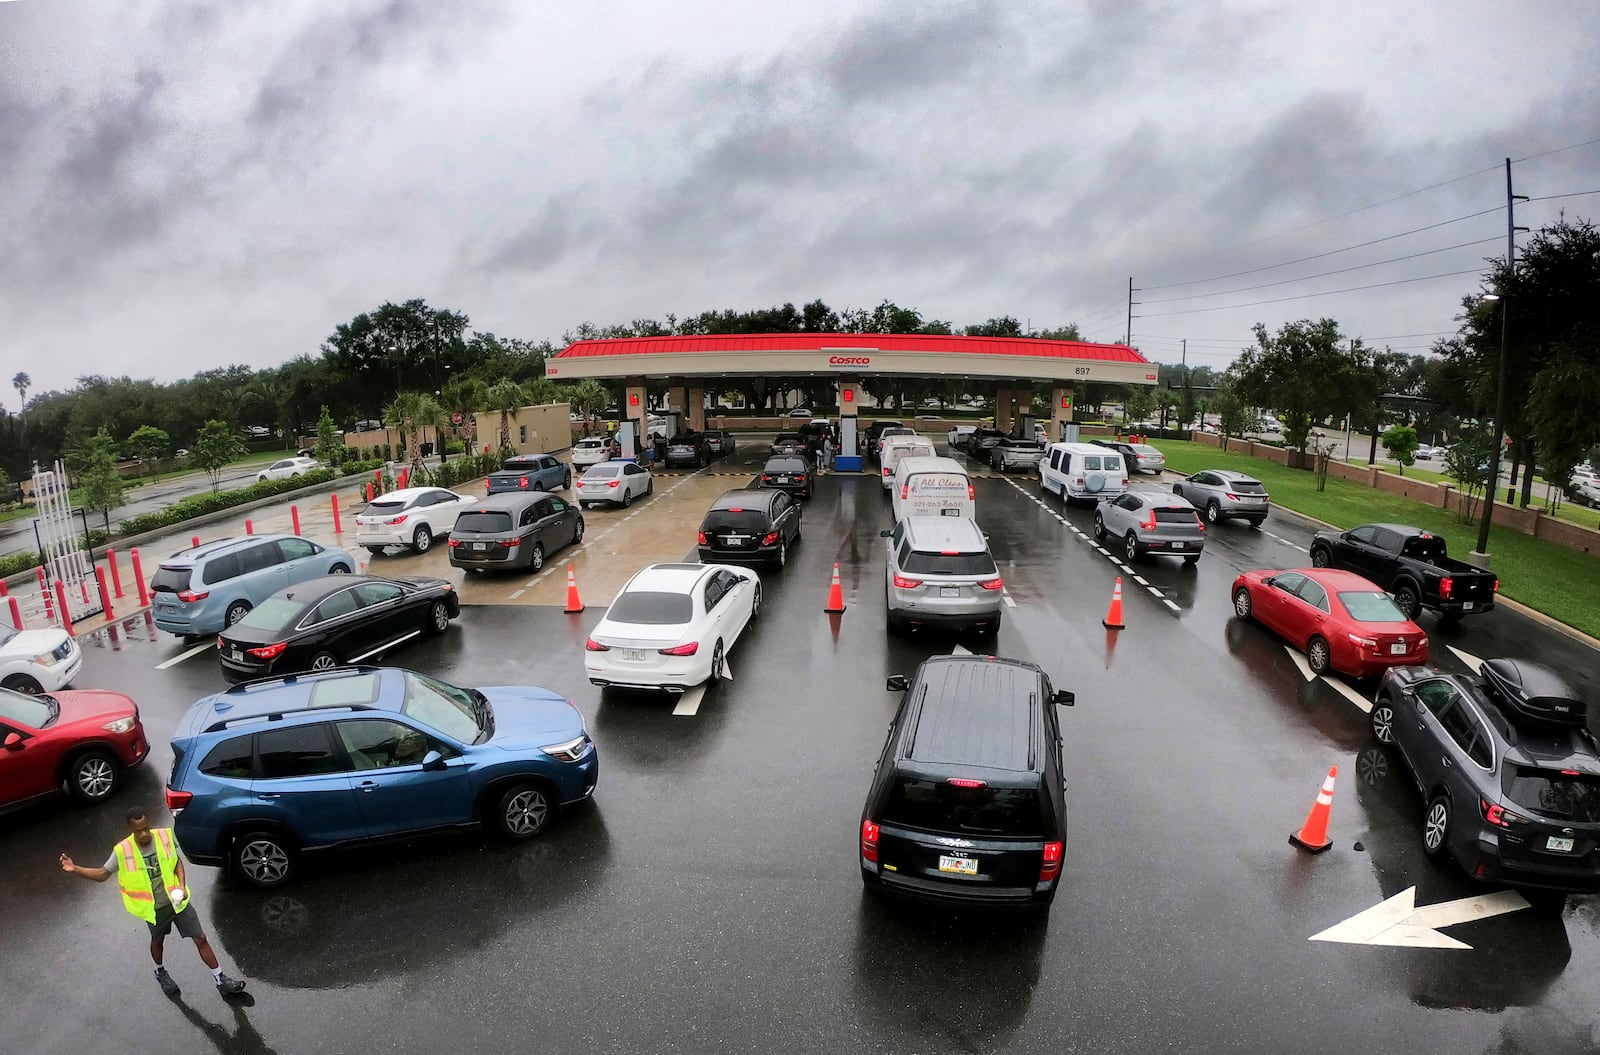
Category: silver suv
[940,573]
[1225,494]
[1151,522]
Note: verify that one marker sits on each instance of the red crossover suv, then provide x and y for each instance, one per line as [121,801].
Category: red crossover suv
[85,739]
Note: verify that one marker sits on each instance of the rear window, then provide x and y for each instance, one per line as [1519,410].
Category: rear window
[1553,794]
[943,807]
[786,465]
[1370,606]
[231,758]
[653,607]
[1175,516]
[937,483]
[1246,487]
[600,472]
[170,580]
[484,522]
[384,508]
[1427,548]
[731,520]
[925,563]
[273,613]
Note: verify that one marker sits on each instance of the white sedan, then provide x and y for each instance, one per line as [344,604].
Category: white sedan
[411,516]
[619,482]
[672,627]
[35,661]
[285,468]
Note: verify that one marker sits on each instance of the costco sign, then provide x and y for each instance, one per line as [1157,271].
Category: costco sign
[858,361]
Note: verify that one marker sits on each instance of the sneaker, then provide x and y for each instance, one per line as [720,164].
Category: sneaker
[229,986]
[168,986]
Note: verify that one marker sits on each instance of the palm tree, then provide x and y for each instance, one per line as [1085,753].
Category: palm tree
[466,396]
[591,399]
[409,415]
[22,382]
[508,398]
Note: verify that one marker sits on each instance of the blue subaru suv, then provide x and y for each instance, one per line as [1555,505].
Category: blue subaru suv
[276,768]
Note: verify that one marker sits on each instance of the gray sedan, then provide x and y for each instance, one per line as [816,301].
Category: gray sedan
[1225,494]
[1151,522]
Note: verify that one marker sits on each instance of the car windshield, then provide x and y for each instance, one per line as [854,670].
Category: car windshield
[273,613]
[7,633]
[944,807]
[1371,606]
[35,712]
[602,472]
[651,607]
[923,563]
[455,712]
[482,522]
[1550,793]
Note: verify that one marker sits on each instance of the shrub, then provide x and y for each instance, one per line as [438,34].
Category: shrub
[13,563]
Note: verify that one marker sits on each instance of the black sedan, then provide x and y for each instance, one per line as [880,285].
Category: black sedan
[788,472]
[745,525]
[332,620]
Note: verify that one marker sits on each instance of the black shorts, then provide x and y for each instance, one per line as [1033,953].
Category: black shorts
[188,922]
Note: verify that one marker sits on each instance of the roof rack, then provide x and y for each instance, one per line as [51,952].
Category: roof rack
[299,676]
[278,716]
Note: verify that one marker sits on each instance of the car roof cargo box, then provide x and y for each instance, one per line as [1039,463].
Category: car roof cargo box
[1527,691]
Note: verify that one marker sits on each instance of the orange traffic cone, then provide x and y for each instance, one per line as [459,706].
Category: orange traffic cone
[1113,619]
[574,604]
[1314,836]
[835,593]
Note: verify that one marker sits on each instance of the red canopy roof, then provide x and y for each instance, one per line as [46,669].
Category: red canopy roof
[881,342]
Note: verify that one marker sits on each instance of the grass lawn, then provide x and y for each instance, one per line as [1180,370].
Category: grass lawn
[1558,581]
[132,484]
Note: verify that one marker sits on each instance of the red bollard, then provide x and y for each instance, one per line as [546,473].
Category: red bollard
[196,542]
[405,477]
[3,591]
[369,492]
[105,595]
[116,575]
[249,528]
[16,613]
[294,513]
[337,530]
[138,577]
[61,604]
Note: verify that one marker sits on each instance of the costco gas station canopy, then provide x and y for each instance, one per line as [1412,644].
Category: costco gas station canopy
[690,363]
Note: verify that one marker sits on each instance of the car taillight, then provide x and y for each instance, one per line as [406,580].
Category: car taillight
[966,782]
[1200,522]
[485,482]
[1497,586]
[511,543]
[1498,815]
[869,841]
[177,800]
[1446,587]
[190,595]
[454,542]
[401,519]
[972,494]
[906,584]
[682,650]
[1050,862]
[272,651]
[1149,525]
[592,645]
[1231,497]
[1368,642]
[613,483]
[769,539]
[992,584]
[523,482]
[220,645]
[701,538]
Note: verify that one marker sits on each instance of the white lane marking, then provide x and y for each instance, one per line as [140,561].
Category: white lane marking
[1141,580]
[1289,543]
[960,650]
[518,593]
[727,670]
[1153,591]
[180,657]
[1009,602]
[1102,551]
[689,702]
[1169,604]
[1125,569]
[1361,702]
[1398,921]
[1472,662]
[1300,661]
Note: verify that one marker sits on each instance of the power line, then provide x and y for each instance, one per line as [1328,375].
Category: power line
[1324,293]
[1557,150]
[1321,274]
[1403,336]
[1574,194]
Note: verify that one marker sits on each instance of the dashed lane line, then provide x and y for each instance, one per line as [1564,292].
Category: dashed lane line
[689,702]
[1141,580]
[518,593]
[1169,604]
[1289,543]
[1010,603]
[180,657]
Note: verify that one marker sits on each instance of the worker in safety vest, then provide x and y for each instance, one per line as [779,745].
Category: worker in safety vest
[150,872]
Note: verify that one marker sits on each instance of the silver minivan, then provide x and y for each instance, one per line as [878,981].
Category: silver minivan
[940,573]
[203,590]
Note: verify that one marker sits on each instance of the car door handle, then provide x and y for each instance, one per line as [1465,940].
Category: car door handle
[369,785]
[268,795]
[1447,762]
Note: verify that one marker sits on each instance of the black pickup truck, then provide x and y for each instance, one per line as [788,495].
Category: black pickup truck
[1412,565]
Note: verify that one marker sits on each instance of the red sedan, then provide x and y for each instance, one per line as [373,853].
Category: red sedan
[85,739]
[1342,621]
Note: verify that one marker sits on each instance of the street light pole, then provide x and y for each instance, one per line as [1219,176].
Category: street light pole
[1500,385]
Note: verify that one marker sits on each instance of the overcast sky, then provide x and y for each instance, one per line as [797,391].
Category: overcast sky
[188,185]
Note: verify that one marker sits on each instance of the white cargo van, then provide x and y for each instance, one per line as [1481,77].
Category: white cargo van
[926,486]
[1082,472]
[897,447]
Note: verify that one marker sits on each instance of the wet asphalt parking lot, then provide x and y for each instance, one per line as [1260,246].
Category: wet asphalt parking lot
[708,899]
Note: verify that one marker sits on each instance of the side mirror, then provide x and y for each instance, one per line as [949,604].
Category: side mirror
[1269,580]
[885,533]
[896,683]
[14,741]
[432,762]
[1065,698]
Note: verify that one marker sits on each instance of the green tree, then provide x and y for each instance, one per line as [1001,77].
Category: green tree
[465,396]
[149,444]
[1140,401]
[508,399]
[7,489]
[589,398]
[22,382]
[1401,443]
[1467,463]
[1301,371]
[412,415]
[1231,417]
[99,484]
[215,448]
[330,448]
[398,344]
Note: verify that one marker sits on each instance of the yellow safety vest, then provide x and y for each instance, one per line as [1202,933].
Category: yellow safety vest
[134,878]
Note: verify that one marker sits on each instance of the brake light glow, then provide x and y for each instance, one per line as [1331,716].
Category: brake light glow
[769,539]
[966,782]
[682,650]
[191,596]
[1367,642]
[522,482]
[949,553]
[1050,862]
[904,583]
[511,543]
[272,651]
[1149,525]
[1497,586]
[592,645]
[177,800]
[1571,773]
[702,538]
[1197,520]
[1446,587]
[972,494]
[455,542]
[766,478]
[992,584]
[613,483]
[219,642]
[1498,815]
[486,482]
[869,841]
[1231,497]
[401,519]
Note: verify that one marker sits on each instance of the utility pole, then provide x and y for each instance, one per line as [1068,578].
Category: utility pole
[1129,338]
[1500,387]
[1183,365]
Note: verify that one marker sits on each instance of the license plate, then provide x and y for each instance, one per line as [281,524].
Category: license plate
[1397,649]
[949,512]
[237,655]
[1468,606]
[1179,545]
[949,591]
[1555,842]
[967,866]
[735,540]
[480,545]
[783,479]
[634,654]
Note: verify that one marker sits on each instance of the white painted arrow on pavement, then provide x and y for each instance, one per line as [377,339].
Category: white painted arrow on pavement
[1472,662]
[1398,921]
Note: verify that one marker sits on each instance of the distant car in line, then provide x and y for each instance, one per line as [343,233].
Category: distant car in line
[1225,494]
[1011,453]
[1138,457]
[615,482]
[788,472]
[1149,522]
[288,468]
[746,525]
[590,451]
[515,529]
[529,472]
[789,443]
[411,516]
[200,591]
[720,442]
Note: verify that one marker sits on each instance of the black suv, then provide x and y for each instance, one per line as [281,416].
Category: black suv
[1510,775]
[968,804]
[746,525]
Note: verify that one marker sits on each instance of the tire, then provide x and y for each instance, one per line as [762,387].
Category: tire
[1319,656]
[1213,511]
[536,557]
[1242,604]
[1405,599]
[627,497]
[717,658]
[782,559]
[422,541]
[577,532]
[1321,557]
[323,660]
[1382,719]
[566,481]
[93,776]
[236,611]
[649,487]
[1131,547]
[755,604]
[1099,526]
[339,569]
[1436,828]
[263,859]
[438,617]
[23,683]
[1255,522]
[524,811]
[583,505]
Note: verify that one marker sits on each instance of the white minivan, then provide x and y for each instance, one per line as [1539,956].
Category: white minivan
[1082,472]
[926,486]
[898,447]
